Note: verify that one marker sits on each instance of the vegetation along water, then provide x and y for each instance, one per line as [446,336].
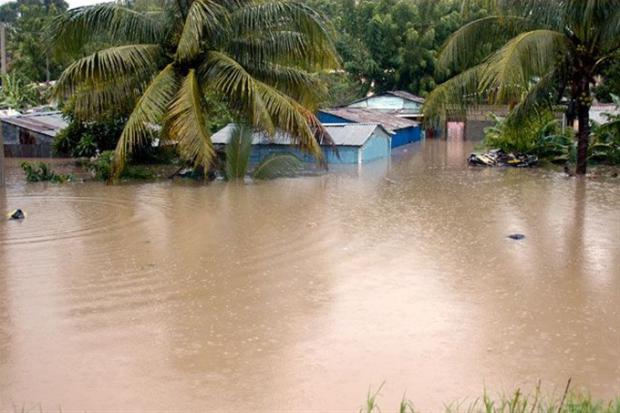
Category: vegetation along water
[198,241]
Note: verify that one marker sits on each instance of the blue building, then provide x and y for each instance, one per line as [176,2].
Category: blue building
[403,130]
[354,143]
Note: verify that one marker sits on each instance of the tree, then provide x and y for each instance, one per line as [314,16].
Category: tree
[392,44]
[27,40]
[530,53]
[260,57]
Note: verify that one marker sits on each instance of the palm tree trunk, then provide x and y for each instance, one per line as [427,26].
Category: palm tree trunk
[583,133]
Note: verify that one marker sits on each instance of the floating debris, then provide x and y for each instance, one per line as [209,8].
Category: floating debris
[516,237]
[16,214]
[497,157]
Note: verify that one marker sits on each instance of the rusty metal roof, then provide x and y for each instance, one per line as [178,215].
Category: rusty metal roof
[45,123]
[389,121]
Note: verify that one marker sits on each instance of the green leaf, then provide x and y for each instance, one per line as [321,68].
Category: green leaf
[238,152]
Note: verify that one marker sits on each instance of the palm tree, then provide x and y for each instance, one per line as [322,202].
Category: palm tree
[529,53]
[262,57]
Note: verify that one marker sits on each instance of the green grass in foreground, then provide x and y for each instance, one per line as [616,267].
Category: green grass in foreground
[518,402]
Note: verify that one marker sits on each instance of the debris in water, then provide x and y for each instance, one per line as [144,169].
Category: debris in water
[498,157]
[16,214]
[516,237]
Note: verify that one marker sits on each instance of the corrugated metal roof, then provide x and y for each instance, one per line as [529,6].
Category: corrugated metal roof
[345,134]
[389,121]
[46,123]
[405,95]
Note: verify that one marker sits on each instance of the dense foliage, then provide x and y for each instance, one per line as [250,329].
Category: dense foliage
[28,41]
[539,134]
[391,44]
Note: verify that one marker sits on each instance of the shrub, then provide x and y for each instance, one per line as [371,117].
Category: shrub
[41,172]
[101,167]
[538,133]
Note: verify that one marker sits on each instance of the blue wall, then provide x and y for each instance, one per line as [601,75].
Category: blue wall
[406,135]
[347,154]
[329,118]
[377,147]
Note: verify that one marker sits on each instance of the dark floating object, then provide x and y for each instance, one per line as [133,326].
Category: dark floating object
[17,214]
[498,157]
[567,171]
[516,237]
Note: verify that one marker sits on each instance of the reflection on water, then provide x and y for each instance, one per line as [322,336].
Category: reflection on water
[300,293]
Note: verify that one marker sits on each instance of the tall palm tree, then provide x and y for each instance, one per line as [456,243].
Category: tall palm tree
[260,55]
[531,52]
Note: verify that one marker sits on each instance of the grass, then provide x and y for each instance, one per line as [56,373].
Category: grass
[517,402]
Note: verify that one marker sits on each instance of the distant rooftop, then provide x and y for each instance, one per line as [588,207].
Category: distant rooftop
[391,122]
[345,134]
[405,95]
[45,123]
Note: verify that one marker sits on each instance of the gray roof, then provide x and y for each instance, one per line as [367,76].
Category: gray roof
[389,121]
[405,95]
[45,123]
[344,134]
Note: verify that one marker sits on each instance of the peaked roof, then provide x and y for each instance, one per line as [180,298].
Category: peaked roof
[389,121]
[343,134]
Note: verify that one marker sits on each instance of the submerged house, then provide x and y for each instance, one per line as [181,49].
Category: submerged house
[31,135]
[403,130]
[354,143]
[397,102]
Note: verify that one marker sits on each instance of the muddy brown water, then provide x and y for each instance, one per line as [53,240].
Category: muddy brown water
[299,294]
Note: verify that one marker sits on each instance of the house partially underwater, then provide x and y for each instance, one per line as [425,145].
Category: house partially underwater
[31,135]
[353,143]
[400,113]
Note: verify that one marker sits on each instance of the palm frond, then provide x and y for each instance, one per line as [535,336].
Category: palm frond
[230,78]
[510,71]
[108,64]
[266,107]
[306,88]
[238,152]
[187,123]
[470,44]
[149,111]
[93,99]
[538,97]
[454,95]
[278,165]
[277,15]
[204,18]
[75,28]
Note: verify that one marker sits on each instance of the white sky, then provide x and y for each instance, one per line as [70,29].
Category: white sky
[72,3]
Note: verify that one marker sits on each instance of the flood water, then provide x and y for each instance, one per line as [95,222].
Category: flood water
[299,294]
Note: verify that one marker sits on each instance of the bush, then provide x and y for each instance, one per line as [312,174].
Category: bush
[41,172]
[85,139]
[102,165]
[540,133]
